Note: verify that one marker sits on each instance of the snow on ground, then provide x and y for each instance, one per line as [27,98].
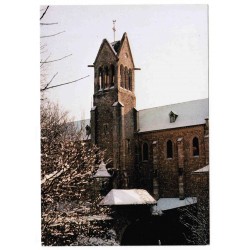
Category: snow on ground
[95,241]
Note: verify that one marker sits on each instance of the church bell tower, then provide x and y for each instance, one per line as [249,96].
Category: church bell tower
[113,115]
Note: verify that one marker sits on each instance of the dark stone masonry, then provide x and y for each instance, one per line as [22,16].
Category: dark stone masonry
[158,159]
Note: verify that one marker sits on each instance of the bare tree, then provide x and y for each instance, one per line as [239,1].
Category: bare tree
[69,202]
[69,205]
[46,83]
[196,217]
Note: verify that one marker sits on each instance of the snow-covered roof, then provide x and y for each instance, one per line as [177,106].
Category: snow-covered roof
[164,204]
[189,114]
[202,170]
[102,171]
[128,197]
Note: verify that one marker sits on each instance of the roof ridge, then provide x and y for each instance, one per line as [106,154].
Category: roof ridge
[173,104]
[105,40]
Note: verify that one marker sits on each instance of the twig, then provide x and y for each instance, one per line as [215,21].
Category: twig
[53,34]
[55,59]
[49,82]
[42,63]
[67,82]
[43,46]
[44,13]
[48,23]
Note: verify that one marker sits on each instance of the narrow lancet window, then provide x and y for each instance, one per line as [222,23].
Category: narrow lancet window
[195,146]
[122,76]
[112,77]
[100,80]
[126,78]
[169,149]
[106,79]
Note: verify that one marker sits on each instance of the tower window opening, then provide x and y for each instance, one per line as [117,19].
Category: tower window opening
[106,77]
[126,78]
[169,149]
[195,146]
[112,77]
[122,76]
[100,80]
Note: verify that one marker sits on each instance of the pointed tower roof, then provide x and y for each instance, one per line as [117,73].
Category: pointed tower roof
[125,38]
[115,47]
[105,41]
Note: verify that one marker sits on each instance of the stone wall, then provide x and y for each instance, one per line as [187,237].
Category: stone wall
[168,170]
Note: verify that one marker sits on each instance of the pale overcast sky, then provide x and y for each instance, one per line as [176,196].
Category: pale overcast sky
[168,42]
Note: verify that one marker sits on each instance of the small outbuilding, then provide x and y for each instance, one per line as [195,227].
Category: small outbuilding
[128,197]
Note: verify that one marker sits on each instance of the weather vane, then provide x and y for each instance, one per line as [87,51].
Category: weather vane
[114,21]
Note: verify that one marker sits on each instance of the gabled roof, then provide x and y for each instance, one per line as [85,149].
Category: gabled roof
[122,41]
[189,114]
[105,41]
[115,47]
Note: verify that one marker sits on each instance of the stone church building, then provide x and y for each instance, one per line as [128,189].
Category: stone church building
[155,149]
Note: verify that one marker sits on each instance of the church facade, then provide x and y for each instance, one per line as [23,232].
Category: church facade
[155,149]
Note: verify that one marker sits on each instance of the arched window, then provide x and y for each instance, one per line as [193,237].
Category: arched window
[130,80]
[169,149]
[122,76]
[100,80]
[106,77]
[112,75]
[126,78]
[145,152]
[195,146]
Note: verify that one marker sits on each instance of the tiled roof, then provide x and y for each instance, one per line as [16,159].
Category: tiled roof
[189,114]
[116,45]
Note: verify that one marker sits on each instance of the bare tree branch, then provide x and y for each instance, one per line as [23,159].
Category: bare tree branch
[55,59]
[42,63]
[53,34]
[65,83]
[49,82]
[45,51]
[44,12]
[48,23]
